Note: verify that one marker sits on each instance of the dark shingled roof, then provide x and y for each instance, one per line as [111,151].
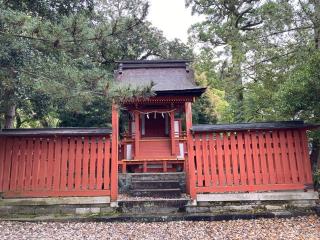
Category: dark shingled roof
[170,77]
[253,126]
[55,131]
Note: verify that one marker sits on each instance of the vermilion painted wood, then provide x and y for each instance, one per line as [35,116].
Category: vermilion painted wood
[43,163]
[255,157]
[299,156]
[29,161]
[206,166]
[199,163]
[114,149]
[7,164]
[136,135]
[234,158]
[292,159]
[243,174]
[93,160]
[57,164]
[285,156]
[191,174]
[221,175]
[14,164]
[36,193]
[72,156]
[226,148]
[263,158]
[173,143]
[51,171]
[2,159]
[100,163]
[85,177]
[250,188]
[306,160]
[270,157]
[277,158]
[213,159]
[248,158]
[64,163]
[78,164]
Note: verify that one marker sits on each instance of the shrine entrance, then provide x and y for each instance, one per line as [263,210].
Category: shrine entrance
[155,130]
[154,136]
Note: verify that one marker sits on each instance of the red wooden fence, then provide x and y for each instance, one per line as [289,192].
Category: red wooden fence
[240,161]
[55,165]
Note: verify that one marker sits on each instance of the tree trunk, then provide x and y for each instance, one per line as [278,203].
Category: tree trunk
[315,153]
[10,116]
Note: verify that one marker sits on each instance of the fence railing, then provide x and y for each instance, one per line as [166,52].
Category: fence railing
[239,160]
[61,162]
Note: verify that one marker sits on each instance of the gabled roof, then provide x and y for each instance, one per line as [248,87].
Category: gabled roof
[170,77]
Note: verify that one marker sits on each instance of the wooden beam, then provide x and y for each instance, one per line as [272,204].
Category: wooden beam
[190,167]
[137,134]
[173,142]
[114,152]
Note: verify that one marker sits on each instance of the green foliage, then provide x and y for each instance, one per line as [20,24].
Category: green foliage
[57,57]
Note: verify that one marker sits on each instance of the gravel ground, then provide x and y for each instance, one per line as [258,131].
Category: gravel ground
[294,228]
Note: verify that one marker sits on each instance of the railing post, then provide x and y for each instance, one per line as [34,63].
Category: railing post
[190,162]
[114,152]
[172,134]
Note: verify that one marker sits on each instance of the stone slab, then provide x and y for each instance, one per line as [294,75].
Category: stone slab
[54,201]
[263,196]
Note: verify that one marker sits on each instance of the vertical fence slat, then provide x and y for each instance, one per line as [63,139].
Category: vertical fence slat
[7,165]
[199,160]
[93,149]
[299,156]
[227,158]
[85,163]
[22,165]
[2,160]
[78,163]
[248,154]
[270,157]
[284,156]
[256,160]
[64,163]
[292,160]
[243,174]
[57,164]
[29,167]
[205,160]
[234,157]
[221,175]
[15,164]
[43,164]
[72,156]
[305,153]
[100,163]
[35,164]
[213,157]
[107,159]
[277,157]
[50,173]
[263,158]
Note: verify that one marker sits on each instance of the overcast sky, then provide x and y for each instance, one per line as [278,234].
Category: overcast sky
[172,18]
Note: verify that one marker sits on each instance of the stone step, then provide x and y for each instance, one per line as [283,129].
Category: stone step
[158,176]
[154,184]
[161,193]
[158,206]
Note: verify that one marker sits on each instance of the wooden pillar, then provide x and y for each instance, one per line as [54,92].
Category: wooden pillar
[190,167]
[114,152]
[137,134]
[173,142]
